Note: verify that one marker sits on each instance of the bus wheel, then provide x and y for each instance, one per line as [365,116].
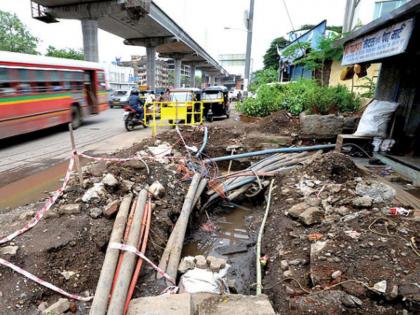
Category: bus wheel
[76,117]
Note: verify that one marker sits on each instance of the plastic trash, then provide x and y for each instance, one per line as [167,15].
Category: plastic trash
[375,119]
[399,211]
[203,280]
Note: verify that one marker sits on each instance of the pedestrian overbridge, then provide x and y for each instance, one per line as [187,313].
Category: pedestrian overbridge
[140,23]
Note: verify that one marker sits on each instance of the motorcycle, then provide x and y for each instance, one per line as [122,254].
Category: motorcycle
[132,120]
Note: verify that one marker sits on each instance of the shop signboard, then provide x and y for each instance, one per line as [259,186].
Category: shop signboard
[387,42]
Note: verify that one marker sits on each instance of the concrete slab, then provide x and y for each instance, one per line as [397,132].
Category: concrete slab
[235,304]
[175,304]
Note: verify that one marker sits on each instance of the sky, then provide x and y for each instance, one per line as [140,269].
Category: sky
[204,20]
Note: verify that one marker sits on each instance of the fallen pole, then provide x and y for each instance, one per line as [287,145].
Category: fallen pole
[271,151]
[182,222]
[200,189]
[116,305]
[100,301]
[260,234]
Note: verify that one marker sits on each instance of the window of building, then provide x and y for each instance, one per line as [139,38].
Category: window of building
[384,7]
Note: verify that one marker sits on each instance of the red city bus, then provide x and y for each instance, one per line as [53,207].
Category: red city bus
[38,92]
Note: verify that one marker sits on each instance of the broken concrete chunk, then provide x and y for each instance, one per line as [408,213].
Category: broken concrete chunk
[336,274]
[9,250]
[380,286]
[136,164]
[201,262]
[362,202]
[188,262]
[176,304]
[351,301]
[313,202]
[67,274]
[96,169]
[157,190]
[109,180]
[95,213]
[297,209]
[312,215]
[58,307]
[217,264]
[69,209]
[96,193]
[378,191]
[284,264]
[111,208]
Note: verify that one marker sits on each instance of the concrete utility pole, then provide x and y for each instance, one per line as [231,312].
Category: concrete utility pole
[250,21]
[350,9]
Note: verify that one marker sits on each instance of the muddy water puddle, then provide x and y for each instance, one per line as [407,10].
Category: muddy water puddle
[228,237]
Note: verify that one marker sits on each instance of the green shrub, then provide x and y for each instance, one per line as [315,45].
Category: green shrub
[296,97]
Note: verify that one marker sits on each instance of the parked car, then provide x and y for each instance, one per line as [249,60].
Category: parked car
[119,98]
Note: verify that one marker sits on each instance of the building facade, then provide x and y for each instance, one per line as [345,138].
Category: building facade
[139,66]
[235,65]
[185,73]
[369,10]
[120,77]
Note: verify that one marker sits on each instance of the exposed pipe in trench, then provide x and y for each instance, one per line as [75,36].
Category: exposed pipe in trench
[100,301]
[260,235]
[271,151]
[203,146]
[116,305]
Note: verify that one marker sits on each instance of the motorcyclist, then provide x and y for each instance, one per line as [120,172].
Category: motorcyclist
[136,103]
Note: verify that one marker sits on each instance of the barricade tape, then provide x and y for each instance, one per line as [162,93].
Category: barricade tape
[44,283]
[134,250]
[38,216]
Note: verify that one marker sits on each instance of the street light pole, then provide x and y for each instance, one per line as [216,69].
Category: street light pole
[248,47]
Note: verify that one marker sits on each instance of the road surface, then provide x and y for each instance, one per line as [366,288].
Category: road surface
[27,154]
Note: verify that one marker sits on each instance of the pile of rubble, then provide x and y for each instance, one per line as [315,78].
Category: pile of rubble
[335,248]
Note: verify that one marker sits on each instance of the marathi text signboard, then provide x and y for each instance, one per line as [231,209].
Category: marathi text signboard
[384,43]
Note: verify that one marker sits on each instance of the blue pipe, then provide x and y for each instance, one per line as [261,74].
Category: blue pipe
[272,151]
[206,133]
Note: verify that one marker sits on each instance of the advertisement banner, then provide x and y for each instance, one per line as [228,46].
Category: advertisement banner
[387,42]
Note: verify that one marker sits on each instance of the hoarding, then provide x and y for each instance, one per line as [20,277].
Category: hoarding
[387,42]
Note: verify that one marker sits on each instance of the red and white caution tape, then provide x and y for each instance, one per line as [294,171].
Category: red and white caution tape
[134,250]
[44,283]
[38,216]
[114,159]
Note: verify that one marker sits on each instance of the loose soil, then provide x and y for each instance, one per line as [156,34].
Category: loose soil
[363,243]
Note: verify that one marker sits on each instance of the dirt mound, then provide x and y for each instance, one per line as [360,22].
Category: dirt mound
[278,123]
[334,166]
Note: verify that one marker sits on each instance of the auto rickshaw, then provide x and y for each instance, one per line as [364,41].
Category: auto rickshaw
[188,96]
[216,102]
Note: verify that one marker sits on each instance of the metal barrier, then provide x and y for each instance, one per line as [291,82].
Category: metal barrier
[161,114]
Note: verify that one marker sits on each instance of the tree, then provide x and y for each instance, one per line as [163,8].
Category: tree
[262,77]
[14,35]
[68,53]
[271,57]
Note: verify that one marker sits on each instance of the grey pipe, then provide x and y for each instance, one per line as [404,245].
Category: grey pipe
[271,151]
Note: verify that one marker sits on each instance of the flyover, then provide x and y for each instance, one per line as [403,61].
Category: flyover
[140,23]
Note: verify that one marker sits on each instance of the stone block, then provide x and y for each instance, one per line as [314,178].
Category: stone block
[174,304]
[312,215]
[57,308]
[297,210]
[321,126]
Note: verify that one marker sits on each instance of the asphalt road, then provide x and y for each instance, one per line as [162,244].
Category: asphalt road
[27,154]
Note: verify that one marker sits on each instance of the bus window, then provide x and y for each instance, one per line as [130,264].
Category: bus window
[24,88]
[6,89]
[56,86]
[67,85]
[4,74]
[39,87]
[76,85]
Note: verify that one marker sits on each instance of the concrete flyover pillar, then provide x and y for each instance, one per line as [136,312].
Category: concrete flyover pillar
[151,67]
[90,39]
[192,75]
[178,64]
